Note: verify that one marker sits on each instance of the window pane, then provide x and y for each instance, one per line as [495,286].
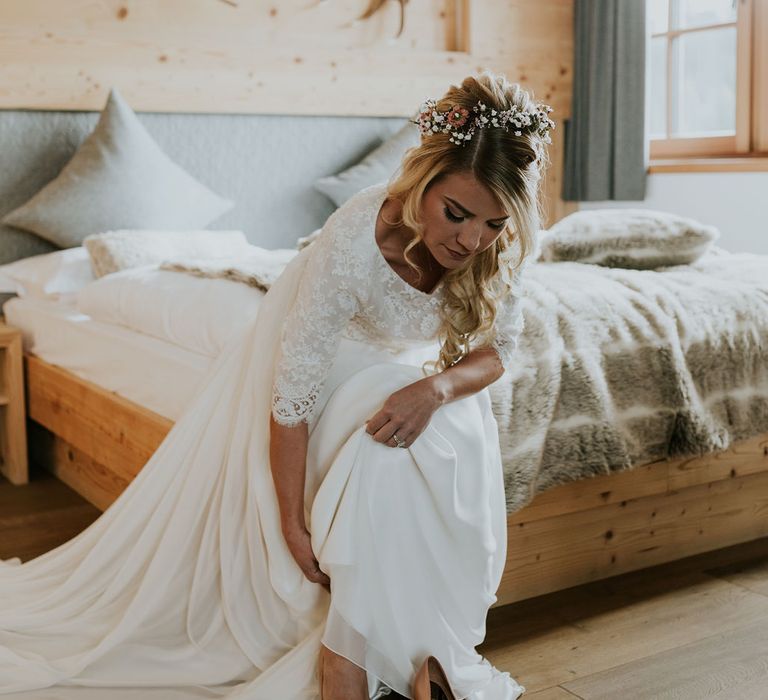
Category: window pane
[658,88]
[697,13]
[706,83]
[658,15]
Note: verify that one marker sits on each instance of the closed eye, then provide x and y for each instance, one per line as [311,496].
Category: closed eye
[452,217]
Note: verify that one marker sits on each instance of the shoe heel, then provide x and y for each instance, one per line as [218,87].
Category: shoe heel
[431,671]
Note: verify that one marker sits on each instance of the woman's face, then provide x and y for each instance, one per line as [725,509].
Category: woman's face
[461,218]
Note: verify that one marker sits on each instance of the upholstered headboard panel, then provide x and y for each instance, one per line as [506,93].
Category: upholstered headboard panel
[266,164]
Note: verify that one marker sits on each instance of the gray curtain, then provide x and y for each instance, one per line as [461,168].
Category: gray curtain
[605,137]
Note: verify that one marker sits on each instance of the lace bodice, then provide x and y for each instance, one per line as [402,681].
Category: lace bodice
[349,289]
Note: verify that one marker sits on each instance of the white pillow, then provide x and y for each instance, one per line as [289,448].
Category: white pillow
[378,166]
[51,275]
[196,313]
[119,250]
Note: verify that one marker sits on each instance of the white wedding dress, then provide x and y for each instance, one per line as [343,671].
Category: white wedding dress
[184,587]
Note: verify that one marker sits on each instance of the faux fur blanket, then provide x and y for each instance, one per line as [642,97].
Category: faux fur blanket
[617,368]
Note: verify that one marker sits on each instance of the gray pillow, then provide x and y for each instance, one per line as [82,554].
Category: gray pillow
[379,165]
[118,178]
[638,239]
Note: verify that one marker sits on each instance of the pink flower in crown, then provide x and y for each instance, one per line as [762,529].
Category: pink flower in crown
[458,116]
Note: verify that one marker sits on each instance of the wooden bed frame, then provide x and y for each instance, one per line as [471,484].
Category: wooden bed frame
[97,441]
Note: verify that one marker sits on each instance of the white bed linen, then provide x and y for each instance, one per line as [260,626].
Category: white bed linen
[195,313]
[154,373]
[52,275]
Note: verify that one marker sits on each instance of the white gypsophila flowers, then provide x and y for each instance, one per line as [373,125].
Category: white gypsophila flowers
[461,126]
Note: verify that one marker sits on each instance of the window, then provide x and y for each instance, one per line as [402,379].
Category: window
[704,59]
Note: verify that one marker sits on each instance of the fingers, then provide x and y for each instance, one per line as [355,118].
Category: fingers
[404,440]
[316,575]
[386,435]
[386,431]
[301,549]
[392,429]
[376,423]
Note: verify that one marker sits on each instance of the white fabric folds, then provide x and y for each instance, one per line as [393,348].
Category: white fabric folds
[184,588]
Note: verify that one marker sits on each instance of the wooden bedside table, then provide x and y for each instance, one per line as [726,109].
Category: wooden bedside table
[13,426]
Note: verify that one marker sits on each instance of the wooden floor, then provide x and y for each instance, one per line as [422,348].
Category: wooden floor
[40,515]
[689,630]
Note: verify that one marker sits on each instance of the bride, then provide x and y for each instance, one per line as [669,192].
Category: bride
[328,513]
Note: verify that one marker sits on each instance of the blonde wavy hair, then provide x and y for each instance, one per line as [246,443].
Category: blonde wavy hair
[511,167]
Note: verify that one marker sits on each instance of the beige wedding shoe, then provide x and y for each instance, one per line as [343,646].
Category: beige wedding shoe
[431,671]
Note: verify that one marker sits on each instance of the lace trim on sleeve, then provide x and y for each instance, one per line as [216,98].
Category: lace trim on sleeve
[507,327]
[325,303]
[505,348]
[289,410]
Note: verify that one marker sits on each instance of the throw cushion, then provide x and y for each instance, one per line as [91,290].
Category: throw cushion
[118,178]
[379,165]
[630,238]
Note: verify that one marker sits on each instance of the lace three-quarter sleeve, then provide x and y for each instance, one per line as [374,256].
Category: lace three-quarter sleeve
[507,329]
[508,326]
[325,303]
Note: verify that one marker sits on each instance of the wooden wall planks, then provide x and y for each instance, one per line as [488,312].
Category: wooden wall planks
[207,55]
[293,57]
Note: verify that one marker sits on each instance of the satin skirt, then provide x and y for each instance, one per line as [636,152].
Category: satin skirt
[184,588]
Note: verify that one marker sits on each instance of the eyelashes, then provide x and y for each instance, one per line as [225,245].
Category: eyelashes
[456,219]
[450,216]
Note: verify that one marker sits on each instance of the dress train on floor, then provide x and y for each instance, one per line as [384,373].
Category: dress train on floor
[184,588]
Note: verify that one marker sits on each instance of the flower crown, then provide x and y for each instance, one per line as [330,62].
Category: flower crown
[458,122]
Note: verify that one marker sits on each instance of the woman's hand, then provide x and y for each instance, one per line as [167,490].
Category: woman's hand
[299,542]
[406,412]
